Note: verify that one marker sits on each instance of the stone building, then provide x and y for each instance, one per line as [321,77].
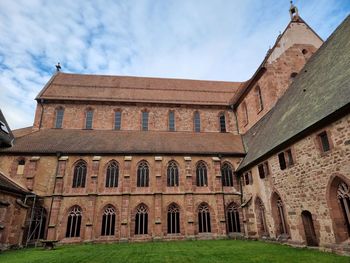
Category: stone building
[115,158]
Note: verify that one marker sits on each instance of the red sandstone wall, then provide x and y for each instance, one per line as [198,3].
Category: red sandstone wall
[305,185]
[74,117]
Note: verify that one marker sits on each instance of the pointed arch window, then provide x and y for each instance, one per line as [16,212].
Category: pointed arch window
[89,118]
[259,99]
[197,122]
[233,219]
[59,118]
[227,175]
[204,225]
[261,219]
[141,220]
[172,174]
[245,113]
[74,222]
[108,221]
[143,175]
[173,219]
[343,195]
[222,121]
[282,220]
[201,174]
[112,174]
[79,176]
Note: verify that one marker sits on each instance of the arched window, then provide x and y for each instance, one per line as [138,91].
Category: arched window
[222,122]
[204,219]
[172,174]
[74,222]
[144,120]
[59,118]
[233,219]
[112,174]
[38,224]
[201,174]
[259,100]
[343,195]
[88,119]
[171,121]
[227,175]
[173,219]
[279,215]
[142,174]
[108,221]
[245,113]
[260,217]
[79,177]
[20,166]
[197,122]
[141,220]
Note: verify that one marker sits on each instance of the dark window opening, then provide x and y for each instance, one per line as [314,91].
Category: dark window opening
[108,222]
[112,175]
[171,121]
[263,170]
[227,175]
[201,174]
[74,222]
[293,75]
[89,118]
[141,220]
[142,175]
[117,120]
[145,120]
[173,219]
[233,219]
[248,178]
[204,219]
[282,161]
[172,175]
[59,118]
[324,141]
[304,51]
[79,177]
[222,123]
[197,122]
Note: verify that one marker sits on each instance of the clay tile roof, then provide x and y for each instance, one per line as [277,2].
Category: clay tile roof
[318,93]
[64,86]
[76,141]
[7,184]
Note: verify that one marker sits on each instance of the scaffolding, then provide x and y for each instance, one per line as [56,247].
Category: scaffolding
[35,223]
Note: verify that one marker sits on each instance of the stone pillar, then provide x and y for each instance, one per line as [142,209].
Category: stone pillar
[189,200]
[125,209]
[57,198]
[31,171]
[158,197]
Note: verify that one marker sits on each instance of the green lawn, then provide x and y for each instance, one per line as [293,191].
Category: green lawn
[177,251]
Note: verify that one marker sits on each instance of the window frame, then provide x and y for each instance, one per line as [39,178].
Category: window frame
[89,120]
[145,120]
[320,142]
[112,180]
[59,117]
[196,121]
[286,159]
[79,178]
[201,174]
[117,121]
[263,169]
[142,176]
[222,122]
[172,174]
[171,121]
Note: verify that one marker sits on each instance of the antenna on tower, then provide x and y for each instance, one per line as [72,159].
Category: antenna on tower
[58,66]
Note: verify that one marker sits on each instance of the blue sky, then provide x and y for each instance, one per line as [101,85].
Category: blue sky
[196,39]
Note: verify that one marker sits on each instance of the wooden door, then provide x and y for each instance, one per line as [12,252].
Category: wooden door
[309,229]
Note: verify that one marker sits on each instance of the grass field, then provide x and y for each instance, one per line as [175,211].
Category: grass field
[177,251]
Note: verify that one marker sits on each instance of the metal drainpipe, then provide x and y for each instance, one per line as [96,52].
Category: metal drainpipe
[58,154]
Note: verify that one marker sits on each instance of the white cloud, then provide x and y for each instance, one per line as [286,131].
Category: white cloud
[220,40]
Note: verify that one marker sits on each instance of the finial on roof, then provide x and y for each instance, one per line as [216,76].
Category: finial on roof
[293,11]
[58,66]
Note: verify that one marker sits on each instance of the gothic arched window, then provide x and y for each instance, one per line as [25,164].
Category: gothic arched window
[141,220]
[204,225]
[142,174]
[260,217]
[79,177]
[112,174]
[74,222]
[227,175]
[233,219]
[172,174]
[343,195]
[173,219]
[201,174]
[108,221]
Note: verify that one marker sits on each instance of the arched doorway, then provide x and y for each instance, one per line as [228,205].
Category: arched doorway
[279,216]
[310,234]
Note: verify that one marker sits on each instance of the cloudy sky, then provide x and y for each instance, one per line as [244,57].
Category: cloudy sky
[196,39]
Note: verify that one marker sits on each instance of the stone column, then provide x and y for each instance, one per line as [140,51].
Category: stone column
[158,204]
[189,200]
[125,209]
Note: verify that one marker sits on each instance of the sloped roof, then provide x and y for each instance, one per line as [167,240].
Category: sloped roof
[71,141]
[321,88]
[8,184]
[64,86]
